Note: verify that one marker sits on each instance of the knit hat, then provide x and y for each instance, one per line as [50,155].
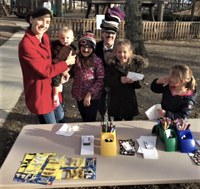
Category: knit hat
[87,39]
[117,13]
[112,19]
[37,13]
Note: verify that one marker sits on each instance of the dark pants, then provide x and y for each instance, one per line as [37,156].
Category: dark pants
[116,118]
[88,113]
[103,103]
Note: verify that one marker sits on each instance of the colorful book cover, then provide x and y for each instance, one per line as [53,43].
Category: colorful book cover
[40,168]
[79,168]
[44,168]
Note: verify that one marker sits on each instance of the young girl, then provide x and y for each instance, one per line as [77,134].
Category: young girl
[88,74]
[179,92]
[123,102]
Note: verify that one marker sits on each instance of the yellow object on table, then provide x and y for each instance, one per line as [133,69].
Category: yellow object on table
[108,143]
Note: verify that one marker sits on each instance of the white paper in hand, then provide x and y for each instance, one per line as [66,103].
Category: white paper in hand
[135,76]
[152,112]
[67,130]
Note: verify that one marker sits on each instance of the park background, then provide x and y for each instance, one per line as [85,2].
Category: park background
[162,55]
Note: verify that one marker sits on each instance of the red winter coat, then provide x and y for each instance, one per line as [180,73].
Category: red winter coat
[38,70]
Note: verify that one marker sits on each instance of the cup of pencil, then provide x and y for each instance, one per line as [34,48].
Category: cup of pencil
[108,139]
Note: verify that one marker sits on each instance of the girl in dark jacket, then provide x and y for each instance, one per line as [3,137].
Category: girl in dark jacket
[122,103]
[178,90]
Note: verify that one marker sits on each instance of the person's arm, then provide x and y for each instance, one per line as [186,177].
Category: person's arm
[70,60]
[63,54]
[65,78]
[39,64]
[136,85]
[56,81]
[87,99]
[157,86]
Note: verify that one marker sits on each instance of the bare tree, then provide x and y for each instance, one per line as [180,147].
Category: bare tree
[133,25]
[59,11]
[195,8]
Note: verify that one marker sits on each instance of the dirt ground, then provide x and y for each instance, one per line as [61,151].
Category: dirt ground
[162,55]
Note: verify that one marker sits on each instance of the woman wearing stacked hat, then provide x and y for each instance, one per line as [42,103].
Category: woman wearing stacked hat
[110,28]
[88,75]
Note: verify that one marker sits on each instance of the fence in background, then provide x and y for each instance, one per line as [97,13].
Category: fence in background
[151,30]
[171,30]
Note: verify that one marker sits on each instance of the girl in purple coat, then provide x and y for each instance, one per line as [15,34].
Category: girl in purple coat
[88,74]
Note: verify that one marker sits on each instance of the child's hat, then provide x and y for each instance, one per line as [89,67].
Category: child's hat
[87,39]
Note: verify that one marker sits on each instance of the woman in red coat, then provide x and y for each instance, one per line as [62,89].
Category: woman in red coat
[35,59]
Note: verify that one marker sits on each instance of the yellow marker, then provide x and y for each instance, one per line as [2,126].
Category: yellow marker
[164,123]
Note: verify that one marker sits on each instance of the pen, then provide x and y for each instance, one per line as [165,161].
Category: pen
[106,122]
[188,126]
[113,128]
[164,123]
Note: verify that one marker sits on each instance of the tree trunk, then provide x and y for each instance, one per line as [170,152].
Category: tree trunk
[133,26]
[70,5]
[194,5]
[65,5]
[59,12]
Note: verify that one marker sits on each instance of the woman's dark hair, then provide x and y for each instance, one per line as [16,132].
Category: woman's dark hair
[37,13]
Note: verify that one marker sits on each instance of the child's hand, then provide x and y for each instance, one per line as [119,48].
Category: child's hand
[125,80]
[56,101]
[163,80]
[87,99]
[65,78]
[70,59]
[65,72]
